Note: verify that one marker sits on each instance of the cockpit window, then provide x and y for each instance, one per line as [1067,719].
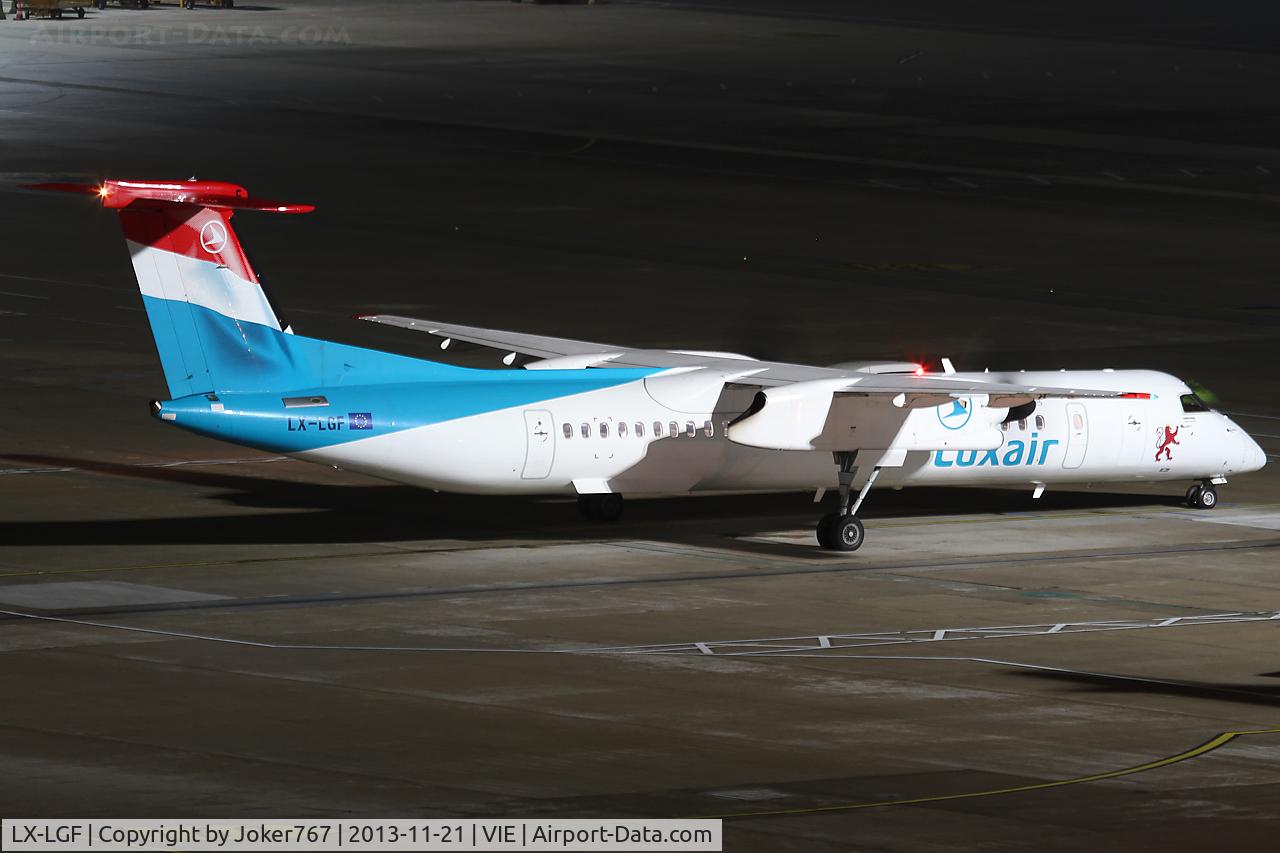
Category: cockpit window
[1192,403]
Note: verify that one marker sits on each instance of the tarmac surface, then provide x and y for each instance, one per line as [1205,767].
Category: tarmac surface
[195,629]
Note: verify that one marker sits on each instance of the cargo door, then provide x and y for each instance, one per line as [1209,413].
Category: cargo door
[540,440]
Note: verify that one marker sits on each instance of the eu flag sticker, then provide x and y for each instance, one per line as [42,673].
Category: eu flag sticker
[359,420]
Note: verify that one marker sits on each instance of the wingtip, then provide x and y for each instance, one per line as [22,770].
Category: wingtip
[60,187]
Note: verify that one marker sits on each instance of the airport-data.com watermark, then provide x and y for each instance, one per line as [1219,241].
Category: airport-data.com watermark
[308,35]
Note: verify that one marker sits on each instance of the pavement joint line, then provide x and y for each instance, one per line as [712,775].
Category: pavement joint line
[1216,742]
[175,464]
[807,645]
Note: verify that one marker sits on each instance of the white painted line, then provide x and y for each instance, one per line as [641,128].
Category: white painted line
[176,464]
[811,646]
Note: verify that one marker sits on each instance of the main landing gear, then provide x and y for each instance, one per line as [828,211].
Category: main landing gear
[606,507]
[1202,496]
[843,530]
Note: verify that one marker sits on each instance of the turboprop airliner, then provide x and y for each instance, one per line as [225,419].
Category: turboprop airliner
[600,421]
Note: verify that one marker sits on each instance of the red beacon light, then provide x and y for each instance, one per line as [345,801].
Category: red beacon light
[919,371]
[1135,395]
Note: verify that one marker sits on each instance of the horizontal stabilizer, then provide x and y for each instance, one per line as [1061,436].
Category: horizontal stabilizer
[117,195]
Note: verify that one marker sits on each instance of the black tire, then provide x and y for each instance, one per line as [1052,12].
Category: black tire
[56,14]
[1193,496]
[824,529]
[847,533]
[606,507]
[1208,498]
[79,12]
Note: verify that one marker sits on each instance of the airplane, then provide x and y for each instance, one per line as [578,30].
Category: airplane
[600,421]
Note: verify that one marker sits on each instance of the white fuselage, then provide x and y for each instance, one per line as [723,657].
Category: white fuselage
[620,439]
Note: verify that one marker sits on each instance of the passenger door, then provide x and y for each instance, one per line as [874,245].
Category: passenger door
[1077,435]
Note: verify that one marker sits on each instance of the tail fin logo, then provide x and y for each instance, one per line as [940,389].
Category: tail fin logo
[213,236]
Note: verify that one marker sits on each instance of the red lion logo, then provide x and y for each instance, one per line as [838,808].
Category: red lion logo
[1164,438]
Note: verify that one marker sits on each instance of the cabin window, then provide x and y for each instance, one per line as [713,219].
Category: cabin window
[1192,403]
[1077,423]
[1004,426]
[657,429]
[690,429]
[622,429]
[1039,421]
[1022,424]
[673,429]
[709,429]
[586,430]
[604,429]
[568,430]
[639,429]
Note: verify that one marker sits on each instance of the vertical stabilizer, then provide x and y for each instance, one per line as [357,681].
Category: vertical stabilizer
[214,327]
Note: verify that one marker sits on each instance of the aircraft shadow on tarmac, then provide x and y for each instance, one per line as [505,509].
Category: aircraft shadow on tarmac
[1100,682]
[302,512]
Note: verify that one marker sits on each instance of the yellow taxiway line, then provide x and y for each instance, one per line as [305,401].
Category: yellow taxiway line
[1208,746]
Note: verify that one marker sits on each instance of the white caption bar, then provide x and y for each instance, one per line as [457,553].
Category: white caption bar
[391,834]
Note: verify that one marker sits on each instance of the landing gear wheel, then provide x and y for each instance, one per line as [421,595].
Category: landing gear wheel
[79,11]
[1193,495]
[841,533]
[1206,498]
[844,533]
[824,530]
[600,507]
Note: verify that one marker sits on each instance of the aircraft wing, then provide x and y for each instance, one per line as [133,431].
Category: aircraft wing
[569,353]
[852,412]
[535,345]
[887,380]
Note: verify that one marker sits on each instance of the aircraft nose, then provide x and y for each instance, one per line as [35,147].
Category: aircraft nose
[1255,456]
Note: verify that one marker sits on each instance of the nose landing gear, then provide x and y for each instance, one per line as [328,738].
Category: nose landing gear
[1202,496]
